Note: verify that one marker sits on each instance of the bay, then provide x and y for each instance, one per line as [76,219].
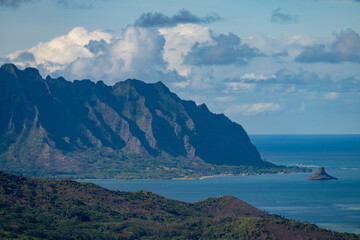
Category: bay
[329,204]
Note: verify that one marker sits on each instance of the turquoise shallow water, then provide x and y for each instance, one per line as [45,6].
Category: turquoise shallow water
[330,204]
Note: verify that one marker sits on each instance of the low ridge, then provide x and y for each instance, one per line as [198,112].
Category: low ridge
[64,209]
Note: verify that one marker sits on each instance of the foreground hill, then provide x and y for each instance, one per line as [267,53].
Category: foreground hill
[130,130]
[64,209]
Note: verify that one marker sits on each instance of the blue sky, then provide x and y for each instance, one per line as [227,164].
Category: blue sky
[272,66]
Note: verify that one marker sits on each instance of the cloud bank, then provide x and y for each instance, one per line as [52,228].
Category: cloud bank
[232,74]
[182,55]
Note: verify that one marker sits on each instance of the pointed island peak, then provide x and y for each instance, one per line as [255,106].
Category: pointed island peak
[321,175]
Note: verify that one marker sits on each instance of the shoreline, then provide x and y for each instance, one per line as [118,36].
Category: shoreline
[185,178]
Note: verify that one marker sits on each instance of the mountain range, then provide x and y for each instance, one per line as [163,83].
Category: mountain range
[54,126]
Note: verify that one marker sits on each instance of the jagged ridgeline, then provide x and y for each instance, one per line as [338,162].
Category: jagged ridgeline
[54,127]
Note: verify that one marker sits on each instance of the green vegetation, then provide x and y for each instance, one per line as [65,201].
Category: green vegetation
[108,165]
[64,209]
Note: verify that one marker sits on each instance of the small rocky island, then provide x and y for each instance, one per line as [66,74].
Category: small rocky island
[321,175]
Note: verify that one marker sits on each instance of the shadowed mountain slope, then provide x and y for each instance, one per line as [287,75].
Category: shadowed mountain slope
[63,126]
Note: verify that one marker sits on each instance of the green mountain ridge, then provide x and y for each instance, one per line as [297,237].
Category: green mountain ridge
[81,129]
[65,209]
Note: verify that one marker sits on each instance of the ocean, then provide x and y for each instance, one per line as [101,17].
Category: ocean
[332,204]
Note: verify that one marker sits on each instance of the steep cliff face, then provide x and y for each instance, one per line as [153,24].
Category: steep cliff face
[43,121]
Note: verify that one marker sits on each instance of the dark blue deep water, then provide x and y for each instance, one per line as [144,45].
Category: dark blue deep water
[330,204]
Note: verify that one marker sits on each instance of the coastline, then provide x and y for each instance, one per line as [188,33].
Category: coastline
[184,178]
[283,193]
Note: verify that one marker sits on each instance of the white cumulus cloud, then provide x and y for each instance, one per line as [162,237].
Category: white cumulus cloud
[144,53]
[137,54]
[60,51]
[179,41]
